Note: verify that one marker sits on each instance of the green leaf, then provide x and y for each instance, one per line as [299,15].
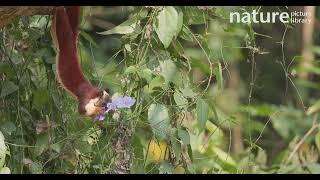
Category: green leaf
[314,108]
[202,113]
[41,143]
[198,64]
[127,47]
[16,57]
[168,70]
[218,74]
[36,168]
[3,150]
[159,120]
[184,136]
[180,100]
[187,92]
[186,34]
[138,156]
[166,168]
[131,70]
[314,168]
[168,25]
[6,69]
[40,99]
[56,147]
[146,74]
[194,15]
[8,87]
[87,37]
[223,156]
[317,140]
[126,27]
[180,23]
[158,81]
[8,127]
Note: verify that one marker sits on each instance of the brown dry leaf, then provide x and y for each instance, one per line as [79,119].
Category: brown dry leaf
[42,126]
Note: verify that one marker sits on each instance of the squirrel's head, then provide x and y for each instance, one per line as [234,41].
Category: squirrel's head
[94,102]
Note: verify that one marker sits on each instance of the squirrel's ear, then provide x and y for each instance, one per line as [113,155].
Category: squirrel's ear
[100,94]
[107,90]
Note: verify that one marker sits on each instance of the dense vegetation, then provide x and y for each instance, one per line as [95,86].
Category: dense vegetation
[211,96]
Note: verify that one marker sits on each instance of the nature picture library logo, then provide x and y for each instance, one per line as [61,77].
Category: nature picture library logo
[270,17]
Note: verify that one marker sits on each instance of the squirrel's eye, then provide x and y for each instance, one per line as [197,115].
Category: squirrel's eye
[100,94]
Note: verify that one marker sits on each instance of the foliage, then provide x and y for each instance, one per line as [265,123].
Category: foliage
[175,62]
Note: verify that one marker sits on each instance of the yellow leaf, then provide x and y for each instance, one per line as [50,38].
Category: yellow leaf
[158,151]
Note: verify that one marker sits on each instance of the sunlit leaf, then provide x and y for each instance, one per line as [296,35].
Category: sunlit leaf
[168,26]
[126,27]
[3,150]
[184,136]
[131,70]
[314,108]
[187,92]
[146,74]
[158,81]
[168,70]
[317,140]
[5,170]
[157,151]
[180,100]
[87,37]
[223,156]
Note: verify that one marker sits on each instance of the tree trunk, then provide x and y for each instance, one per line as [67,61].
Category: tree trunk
[233,85]
[307,40]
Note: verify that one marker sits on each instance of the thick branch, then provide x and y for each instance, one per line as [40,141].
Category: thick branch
[9,13]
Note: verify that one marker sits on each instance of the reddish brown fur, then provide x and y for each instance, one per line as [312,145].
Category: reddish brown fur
[68,66]
[74,20]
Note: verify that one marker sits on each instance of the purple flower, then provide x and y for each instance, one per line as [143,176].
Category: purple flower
[125,102]
[100,117]
[111,106]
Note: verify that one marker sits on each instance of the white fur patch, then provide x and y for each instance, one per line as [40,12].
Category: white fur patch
[90,107]
[105,94]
